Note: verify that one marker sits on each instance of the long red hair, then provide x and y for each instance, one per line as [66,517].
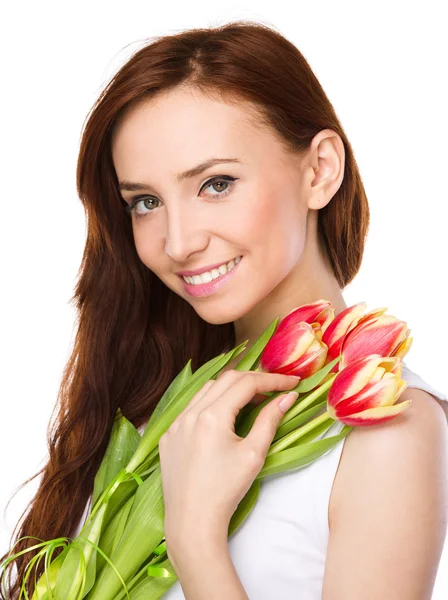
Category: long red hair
[133,333]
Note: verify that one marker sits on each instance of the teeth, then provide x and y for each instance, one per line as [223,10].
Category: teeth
[213,274]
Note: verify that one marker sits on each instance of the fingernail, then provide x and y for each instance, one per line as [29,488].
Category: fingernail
[287,401]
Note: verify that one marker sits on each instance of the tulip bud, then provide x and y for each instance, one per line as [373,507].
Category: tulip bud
[366,390]
[295,350]
[372,334]
[320,312]
[336,331]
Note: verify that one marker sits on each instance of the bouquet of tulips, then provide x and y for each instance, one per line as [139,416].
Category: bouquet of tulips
[350,371]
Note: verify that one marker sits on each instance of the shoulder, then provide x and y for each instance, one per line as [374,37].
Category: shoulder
[389,500]
[419,434]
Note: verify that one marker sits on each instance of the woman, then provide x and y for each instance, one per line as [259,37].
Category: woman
[211,147]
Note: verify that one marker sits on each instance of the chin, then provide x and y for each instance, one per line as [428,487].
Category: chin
[220,314]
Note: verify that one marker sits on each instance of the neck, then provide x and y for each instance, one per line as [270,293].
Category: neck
[311,279]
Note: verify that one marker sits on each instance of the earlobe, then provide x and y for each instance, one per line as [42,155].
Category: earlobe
[314,188]
[317,202]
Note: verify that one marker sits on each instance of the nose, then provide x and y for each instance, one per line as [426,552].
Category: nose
[184,235]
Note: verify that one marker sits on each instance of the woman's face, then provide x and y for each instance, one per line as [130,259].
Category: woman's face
[253,206]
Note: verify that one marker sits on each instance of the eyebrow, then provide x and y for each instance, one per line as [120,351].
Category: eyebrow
[130,186]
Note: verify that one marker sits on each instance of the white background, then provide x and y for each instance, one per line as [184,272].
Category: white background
[383,66]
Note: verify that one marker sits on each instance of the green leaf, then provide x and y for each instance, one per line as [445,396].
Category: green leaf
[299,420]
[47,580]
[250,362]
[246,419]
[171,392]
[301,455]
[313,433]
[153,587]
[123,442]
[313,381]
[115,503]
[76,576]
[244,507]
[152,435]
[142,534]
[252,356]
[111,535]
[144,585]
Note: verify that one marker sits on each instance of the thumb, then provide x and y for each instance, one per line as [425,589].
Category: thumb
[266,424]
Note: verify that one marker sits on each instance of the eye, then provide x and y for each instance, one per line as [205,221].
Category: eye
[219,179]
[130,209]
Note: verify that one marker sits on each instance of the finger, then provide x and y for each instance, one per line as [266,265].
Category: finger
[252,384]
[221,384]
[267,422]
[243,387]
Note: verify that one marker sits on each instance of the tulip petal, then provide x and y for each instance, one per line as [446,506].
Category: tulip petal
[330,316]
[353,378]
[368,317]
[316,327]
[378,393]
[333,352]
[404,347]
[379,372]
[308,365]
[340,324]
[287,346]
[308,313]
[395,367]
[374,416]
[380,336]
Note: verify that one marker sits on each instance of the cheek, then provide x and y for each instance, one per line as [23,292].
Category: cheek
[147,246]
[271,228]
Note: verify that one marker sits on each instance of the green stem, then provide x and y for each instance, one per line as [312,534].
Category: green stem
[292,437]
[301,405]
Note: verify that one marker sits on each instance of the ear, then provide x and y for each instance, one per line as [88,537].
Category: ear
[326,168]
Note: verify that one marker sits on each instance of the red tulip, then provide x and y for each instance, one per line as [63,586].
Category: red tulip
[320,312]
[366,390]
[375,333]
[295,350]
[336,331]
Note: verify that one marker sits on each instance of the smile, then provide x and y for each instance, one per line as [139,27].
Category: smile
[209,282]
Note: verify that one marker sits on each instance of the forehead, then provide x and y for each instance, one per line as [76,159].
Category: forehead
[176,130]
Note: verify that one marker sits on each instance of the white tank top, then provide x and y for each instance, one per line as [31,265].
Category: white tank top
[279,551]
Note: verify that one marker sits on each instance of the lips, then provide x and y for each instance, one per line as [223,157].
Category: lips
[205,269]
[205,289]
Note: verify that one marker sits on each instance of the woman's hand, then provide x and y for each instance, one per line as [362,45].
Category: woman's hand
[206,469]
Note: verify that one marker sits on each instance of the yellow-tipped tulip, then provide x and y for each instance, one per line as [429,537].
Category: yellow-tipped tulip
[336,331]
[375,333]
[320,312]
[366,390]
[295,350]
